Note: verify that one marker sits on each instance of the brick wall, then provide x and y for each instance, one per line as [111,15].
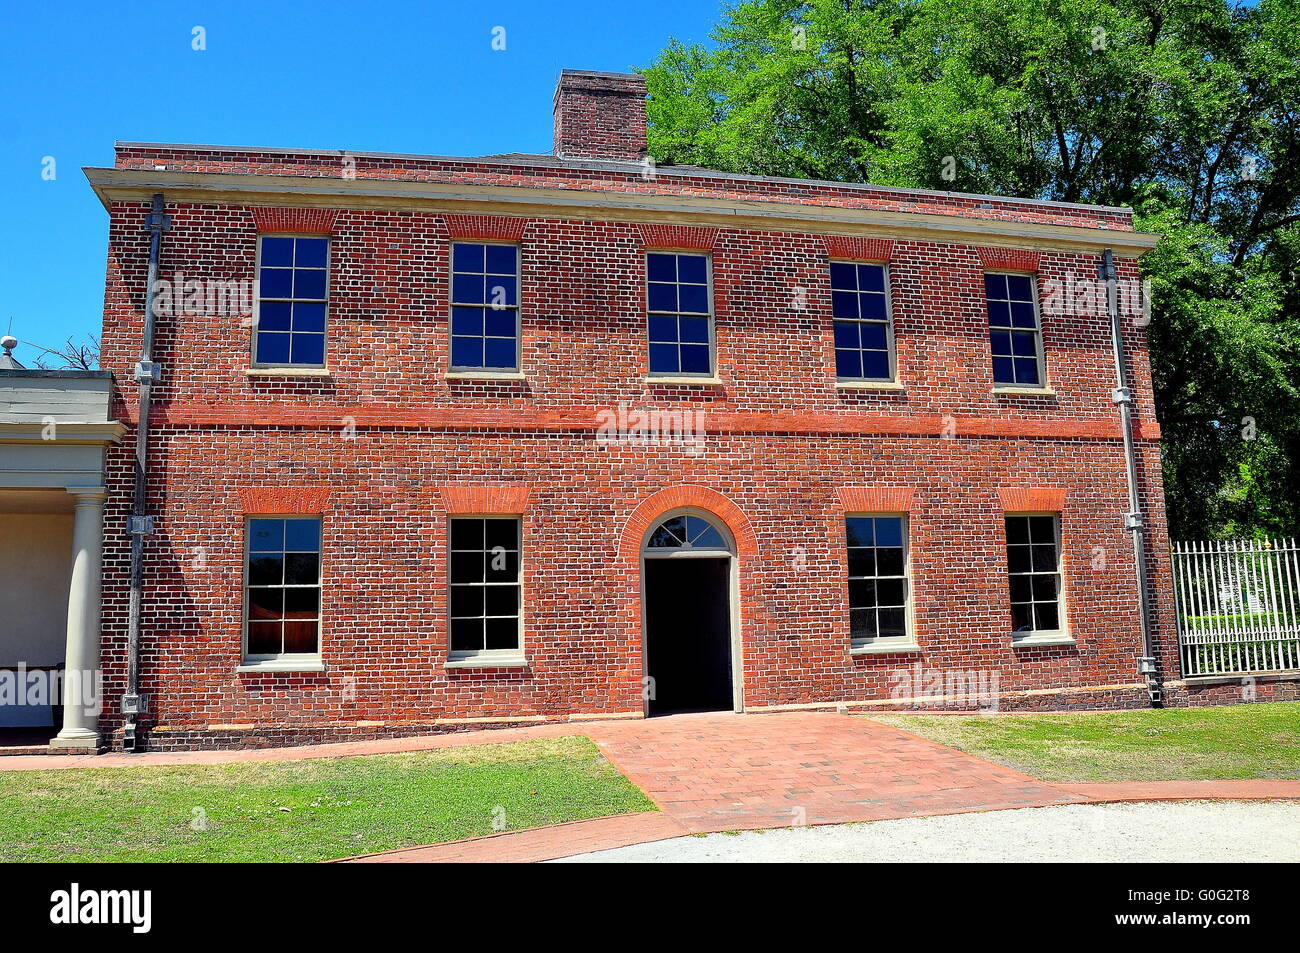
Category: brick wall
[385,445]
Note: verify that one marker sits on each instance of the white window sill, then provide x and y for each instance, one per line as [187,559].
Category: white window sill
[1025,391]
[1034,641]
[886,648]
[487,661]
[869,385]
[484,376]
[287,371]
[669,379]
[283,665]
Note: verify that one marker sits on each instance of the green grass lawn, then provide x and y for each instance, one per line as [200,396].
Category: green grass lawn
[1176,744]
[305,810]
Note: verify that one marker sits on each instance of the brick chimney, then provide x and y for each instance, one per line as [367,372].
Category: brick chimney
[600,116]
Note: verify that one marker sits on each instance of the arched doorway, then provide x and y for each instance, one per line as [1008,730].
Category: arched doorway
[688,585]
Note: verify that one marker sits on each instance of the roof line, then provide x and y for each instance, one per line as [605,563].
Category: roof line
[543,161]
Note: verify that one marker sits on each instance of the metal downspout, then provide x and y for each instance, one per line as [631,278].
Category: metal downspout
[1122,396]
[141,524]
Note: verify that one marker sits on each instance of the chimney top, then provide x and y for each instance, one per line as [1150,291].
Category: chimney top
[600,116]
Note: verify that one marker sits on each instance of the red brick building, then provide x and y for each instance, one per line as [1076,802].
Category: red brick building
[496,440]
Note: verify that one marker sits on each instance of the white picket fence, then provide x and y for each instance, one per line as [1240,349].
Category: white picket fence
[1238,606]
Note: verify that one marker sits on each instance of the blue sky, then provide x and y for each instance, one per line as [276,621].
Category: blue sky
[384,77]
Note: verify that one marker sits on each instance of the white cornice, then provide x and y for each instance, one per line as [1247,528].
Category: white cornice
[306,191]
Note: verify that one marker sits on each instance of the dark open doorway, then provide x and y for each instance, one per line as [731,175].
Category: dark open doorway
[688,634]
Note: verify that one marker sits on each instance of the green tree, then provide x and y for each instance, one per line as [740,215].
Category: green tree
[1187,110]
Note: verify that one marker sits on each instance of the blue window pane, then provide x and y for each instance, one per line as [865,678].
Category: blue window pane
[467,352]
[467,257]
[860,531]
[307,316]
[302,536]
[693,298]
[502,259]
[661,267]
[502,291]
[467,289]
[1022,314]
[663,297]
[311,252]
[995,286]
[276,283]
[499,352]
[874,337]
[844,277]
[694,330]
[889,531]
[308,349]
[500,324]
[871,278]
[846,334]
[663,327]
[1026,370]
[999,314]
[873,307]
[1019,288]
[692,268]
[308,284]
[272,348]
[875,364]
[277,252]
[273,316]
[266,536]
[1022,345]
[848,363]
[844,304]
[466,320]
[695,359]
[1000,343]
[663,358]
[1003,373]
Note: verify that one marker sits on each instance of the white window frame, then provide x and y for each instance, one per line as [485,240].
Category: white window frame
[1044,382]
[456,370]
[712,372]
[888,322]
[284,661]
[257,303]
[485,658]
[893,643]
[1061,634]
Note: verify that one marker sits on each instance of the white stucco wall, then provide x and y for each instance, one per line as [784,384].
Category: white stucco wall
[35,565]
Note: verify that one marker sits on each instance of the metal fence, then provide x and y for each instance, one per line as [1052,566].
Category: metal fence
[1238,606]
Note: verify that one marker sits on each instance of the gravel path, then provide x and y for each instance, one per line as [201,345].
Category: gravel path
[1174,831]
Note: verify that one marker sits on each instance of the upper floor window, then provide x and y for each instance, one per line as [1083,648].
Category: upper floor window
[292,291]
[283,587]
[483,602]
[679,305]
[1014,331]
[1034,570]
[484,307]
[863,336]
[878,586]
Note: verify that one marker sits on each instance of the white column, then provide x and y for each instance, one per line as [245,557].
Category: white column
[81,682]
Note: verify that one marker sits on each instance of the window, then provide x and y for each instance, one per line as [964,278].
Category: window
[484,593]
[878,589]
[484,307]
[1034,567]
[292,291]
[1013,330]
[860,308]
[680,326]
[283,588]
[686,532]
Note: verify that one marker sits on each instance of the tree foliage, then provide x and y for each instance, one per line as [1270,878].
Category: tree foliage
[1186,110]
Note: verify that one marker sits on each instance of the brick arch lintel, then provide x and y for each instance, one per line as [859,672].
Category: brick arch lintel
[303,221]
[677,497]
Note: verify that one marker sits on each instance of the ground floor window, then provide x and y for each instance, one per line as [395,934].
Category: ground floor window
[484,597]
[878,585]
[1034,570]
[283,588]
